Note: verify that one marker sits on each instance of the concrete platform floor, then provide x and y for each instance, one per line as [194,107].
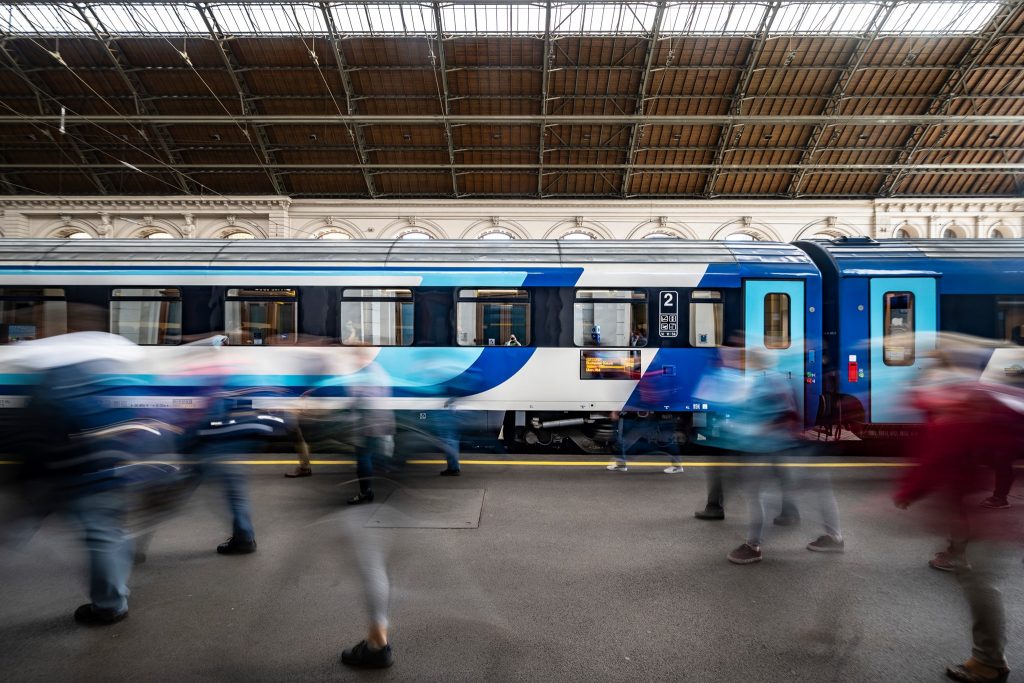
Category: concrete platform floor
[574,574]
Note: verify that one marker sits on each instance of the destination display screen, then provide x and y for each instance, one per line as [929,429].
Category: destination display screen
[604,364]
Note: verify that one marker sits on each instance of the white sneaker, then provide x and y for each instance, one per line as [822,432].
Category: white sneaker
[674,469]
[616,467]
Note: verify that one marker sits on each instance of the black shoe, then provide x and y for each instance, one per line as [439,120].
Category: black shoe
[786,520]
[237,546]
[450,472]
[361,498]
[710,513]
[90,615]
[363,656]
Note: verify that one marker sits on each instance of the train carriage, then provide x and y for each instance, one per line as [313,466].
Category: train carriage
[887,302]
[542,341]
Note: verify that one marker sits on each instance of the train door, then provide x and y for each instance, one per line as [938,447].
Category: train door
[903,322]
[774,326]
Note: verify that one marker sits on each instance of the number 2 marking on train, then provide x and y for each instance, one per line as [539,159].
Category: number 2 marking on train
[668,301]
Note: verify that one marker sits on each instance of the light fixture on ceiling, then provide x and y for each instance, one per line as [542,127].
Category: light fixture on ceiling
[215,137]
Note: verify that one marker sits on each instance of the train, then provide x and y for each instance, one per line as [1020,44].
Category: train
[533,343]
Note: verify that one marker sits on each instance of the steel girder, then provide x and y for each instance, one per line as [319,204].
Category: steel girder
[637,131]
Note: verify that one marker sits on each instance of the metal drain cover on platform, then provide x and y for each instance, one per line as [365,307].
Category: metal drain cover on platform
[429,509]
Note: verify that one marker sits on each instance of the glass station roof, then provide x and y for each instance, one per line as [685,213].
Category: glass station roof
[916,17]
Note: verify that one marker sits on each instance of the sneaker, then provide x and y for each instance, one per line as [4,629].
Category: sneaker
[674,469]
[364,656]
[946,561]
[449,472]
[746,554]
[237,546]
[361,498]
[786,520]
[826,543]
[995,503]
[616,467]
[91,615]
[968,672]
[710,513]
[299,472]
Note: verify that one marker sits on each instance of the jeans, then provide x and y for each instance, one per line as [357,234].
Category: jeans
[232,480]
[978,577]
[446,429]
[110,548]
[375,449]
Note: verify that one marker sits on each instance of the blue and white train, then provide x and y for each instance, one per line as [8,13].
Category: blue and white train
[542,341]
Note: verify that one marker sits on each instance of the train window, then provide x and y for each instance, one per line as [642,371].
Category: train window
[776,321]
[610,317]
[376,317]
[258,317]
[28,313]
[493,317]
[707,315]
[146,316]
[898,329]
[1011,311]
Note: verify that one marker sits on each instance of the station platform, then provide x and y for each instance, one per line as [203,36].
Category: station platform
[571,573]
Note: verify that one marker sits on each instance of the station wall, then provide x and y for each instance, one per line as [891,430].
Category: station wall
[281,217]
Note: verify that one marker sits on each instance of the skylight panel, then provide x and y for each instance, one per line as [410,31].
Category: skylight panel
[259,18]
[43,19]
[824,18]
[474,19]
[149,19]
[940,17]
[384,19]
[711,18]
[605,19]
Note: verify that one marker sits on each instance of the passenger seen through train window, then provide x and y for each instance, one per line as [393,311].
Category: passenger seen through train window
[493,317]
[610,317]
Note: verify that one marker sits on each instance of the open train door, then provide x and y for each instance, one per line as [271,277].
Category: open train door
[774,323]
[903,323]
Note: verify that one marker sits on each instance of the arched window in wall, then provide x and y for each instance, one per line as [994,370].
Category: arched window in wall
[415,235]
[497,234]
[330,234]
[949,234]
[237,235]
[157,235]
[741,237]
[76,235]
[578,235]
[996,234]
[901,234]
[661,236]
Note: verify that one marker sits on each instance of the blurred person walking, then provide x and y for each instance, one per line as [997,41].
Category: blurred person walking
[974,419]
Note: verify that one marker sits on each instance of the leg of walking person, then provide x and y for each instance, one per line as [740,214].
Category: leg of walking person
[979,579]
[368,550]
[832,540]
[715,506]
[110,556]
[750,552]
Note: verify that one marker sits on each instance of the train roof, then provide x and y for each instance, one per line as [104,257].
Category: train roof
[398,252]
[963,265]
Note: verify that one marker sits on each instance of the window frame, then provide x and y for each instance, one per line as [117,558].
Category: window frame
[717,300]
[525,300]
[27,298]
[179,299]
[251,298]
[411,299]
[643,302]
[787,324]
[887,331]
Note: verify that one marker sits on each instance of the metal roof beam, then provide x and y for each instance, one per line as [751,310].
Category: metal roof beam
[46,102]
[957,81]
[138,93]
[354,132]
[548,57]
[739,95]
[533,120]
[220,39]
[835,98]
[637,131]
[441,70]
